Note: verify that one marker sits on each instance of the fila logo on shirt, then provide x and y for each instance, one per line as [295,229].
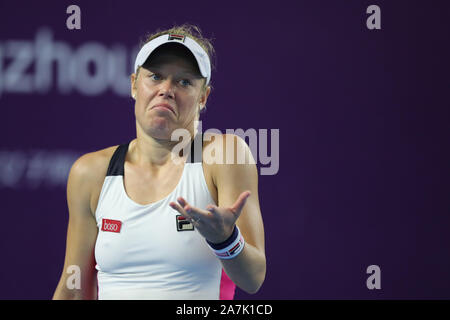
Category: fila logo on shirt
[183,224]
[109,225]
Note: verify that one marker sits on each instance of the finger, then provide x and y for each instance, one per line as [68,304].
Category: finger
[240,202]
[188,215]
[181,201]
[192,211]
[179,208]
[213,210]
[183,204]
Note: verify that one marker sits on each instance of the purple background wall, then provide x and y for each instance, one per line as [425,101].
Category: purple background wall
[364,134]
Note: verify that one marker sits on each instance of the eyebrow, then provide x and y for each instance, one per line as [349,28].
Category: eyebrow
[188,73]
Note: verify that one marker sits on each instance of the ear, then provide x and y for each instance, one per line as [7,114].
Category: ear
[204,97]
[133,79]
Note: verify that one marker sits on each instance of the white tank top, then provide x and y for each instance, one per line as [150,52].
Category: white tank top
[150,251]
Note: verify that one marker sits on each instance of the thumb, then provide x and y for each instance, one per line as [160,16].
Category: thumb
[240,202]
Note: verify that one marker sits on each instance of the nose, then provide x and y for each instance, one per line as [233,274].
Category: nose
[166,89]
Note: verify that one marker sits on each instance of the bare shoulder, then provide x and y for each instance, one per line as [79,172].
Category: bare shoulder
[225,148]
[93,165]
[226,159]
[86,179]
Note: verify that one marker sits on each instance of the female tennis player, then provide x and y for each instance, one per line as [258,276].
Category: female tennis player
[143,226]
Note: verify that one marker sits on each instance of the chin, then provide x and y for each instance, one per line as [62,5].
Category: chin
[159,134]
[159,128]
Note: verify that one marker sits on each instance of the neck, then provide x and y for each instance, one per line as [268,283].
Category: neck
[149,151]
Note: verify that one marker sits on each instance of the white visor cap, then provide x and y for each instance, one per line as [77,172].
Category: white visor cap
[199,53]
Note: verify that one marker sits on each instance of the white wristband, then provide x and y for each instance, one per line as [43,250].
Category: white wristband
[232,249]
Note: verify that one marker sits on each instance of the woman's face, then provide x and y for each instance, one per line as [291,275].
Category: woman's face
[169,91]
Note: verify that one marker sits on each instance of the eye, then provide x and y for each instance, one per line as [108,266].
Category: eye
[155,76]
[185,82]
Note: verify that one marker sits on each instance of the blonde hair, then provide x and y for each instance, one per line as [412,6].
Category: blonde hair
[191,31]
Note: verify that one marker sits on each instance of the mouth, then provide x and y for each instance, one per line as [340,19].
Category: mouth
[164,106]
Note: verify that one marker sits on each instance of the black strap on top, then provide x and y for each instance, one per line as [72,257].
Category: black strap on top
[115,167]
[196,149]
[116,164]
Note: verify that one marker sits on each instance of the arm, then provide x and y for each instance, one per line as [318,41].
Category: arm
[81,233]
[248,269]
[234,181]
